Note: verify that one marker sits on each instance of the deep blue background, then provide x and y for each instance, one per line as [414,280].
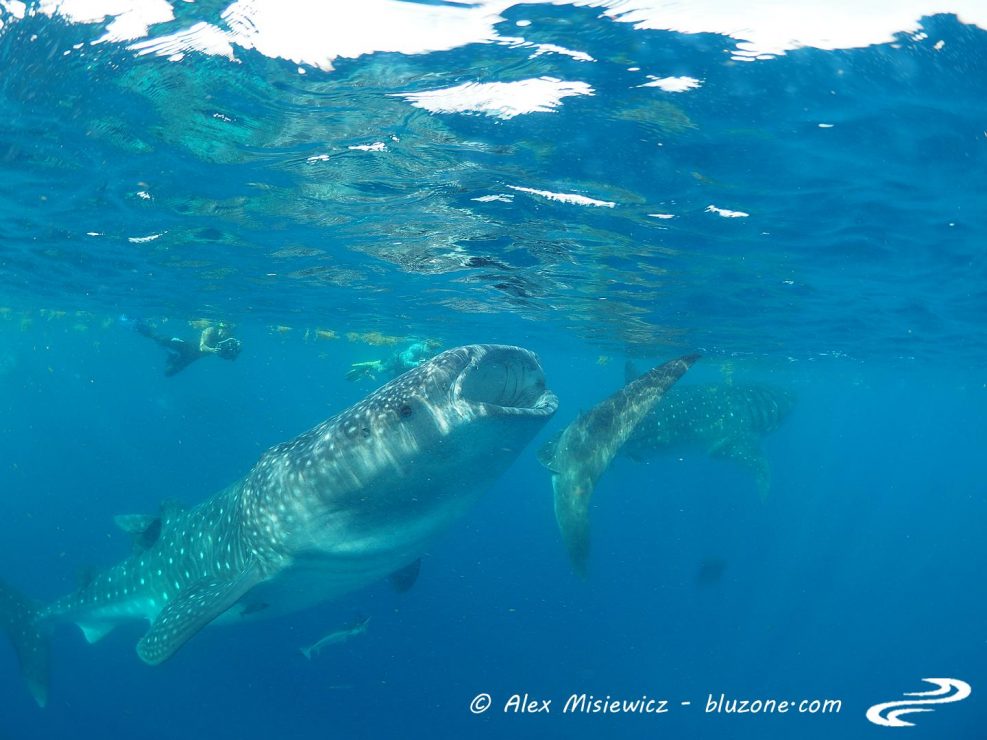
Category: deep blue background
[857,281]
[860,575]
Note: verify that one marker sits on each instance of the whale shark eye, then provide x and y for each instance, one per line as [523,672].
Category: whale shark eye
[405,411]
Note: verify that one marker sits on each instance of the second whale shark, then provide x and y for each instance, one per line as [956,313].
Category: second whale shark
[724,420]
[579,454]
[356,498]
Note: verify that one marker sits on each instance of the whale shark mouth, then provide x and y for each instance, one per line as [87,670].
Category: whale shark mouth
[506,380]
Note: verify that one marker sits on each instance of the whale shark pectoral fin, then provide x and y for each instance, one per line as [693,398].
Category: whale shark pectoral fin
[85,576]
[253,607]
[193,608]
[95,631]
[546,454]
[404,578]
[763,478]
[746,451]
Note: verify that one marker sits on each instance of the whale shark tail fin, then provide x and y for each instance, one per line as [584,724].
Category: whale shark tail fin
[19,620]
[572,516]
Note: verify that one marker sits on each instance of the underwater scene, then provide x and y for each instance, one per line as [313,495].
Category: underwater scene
[443,369]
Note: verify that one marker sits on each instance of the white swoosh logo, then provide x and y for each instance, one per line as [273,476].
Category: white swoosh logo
[879,714]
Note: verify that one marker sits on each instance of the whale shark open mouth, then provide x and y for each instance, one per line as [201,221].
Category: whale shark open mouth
[506,380]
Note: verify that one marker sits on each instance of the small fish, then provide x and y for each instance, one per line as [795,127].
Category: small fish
[341,635]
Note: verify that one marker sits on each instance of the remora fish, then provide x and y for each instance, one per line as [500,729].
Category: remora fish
[724,420]
[355,629]
[357,497]
[580,453]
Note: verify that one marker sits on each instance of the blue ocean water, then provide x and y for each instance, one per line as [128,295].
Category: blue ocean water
[809,215]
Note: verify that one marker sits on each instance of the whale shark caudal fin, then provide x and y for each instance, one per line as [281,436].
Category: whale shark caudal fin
[546,455]
[572,518]
[192,609]
[19,620]
[582,452]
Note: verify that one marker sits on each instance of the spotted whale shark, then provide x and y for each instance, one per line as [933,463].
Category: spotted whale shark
[579,454]
[724,420]
[358,497]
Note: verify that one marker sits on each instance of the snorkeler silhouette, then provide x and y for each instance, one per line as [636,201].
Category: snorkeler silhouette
[215,339]
[410,357]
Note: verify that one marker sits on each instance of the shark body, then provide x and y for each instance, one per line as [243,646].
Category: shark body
[356,498]
[723,420]
[580,453]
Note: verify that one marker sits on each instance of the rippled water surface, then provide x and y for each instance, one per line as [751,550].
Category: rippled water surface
[631,187]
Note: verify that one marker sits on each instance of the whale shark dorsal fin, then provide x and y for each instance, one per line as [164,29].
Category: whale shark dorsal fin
[134,523]
[170,508]
[631,373]
[192,609]
[144,529]
[546,454]
[85,576]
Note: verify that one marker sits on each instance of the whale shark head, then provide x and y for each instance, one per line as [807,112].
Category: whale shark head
[384,475]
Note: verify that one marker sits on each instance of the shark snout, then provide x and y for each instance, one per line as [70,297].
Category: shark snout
[506,380]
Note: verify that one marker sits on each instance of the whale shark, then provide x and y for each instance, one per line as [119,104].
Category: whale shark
[352,500]
[579,454]
[724,420]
